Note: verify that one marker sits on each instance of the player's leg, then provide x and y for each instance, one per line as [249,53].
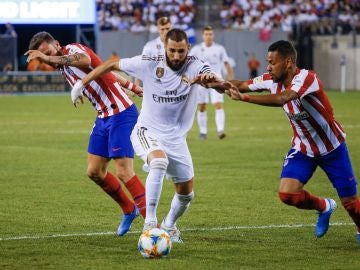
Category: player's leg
[202,100]
[97,171]
[297,170]
[337,166]
[152,152]
[98,159]
[120,148]
[182,173]
[217,100]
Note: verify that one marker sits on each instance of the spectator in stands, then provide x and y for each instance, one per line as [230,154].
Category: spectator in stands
[253,65]
[8,67]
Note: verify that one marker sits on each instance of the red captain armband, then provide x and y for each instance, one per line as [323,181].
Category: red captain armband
[246,98]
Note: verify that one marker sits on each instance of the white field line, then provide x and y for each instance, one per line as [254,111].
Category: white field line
[233,228]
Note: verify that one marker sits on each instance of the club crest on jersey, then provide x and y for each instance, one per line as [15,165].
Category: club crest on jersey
[160,72]
[258,79]
[185,80]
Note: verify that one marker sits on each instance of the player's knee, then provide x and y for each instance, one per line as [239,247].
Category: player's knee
[95,175]
[187,198]
[159,163]
[289,198]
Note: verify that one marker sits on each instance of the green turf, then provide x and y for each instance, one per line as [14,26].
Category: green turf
[44,191]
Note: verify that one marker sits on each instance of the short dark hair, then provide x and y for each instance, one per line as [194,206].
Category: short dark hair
[162,21]
[207,28]
[177,35]
[39,38]
[284,48]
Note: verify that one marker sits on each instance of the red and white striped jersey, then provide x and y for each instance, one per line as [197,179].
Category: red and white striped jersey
[104,93]
[316,132]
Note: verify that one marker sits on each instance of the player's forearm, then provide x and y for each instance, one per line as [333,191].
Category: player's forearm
[273,100]
[75,60]
[105,67]
[242,86]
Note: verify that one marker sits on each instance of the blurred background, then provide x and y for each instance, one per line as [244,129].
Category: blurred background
[324,32]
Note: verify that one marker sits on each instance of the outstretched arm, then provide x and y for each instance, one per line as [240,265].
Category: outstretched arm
[274,100]
[107,66]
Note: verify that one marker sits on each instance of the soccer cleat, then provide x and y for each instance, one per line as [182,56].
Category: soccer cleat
[126,221]
[221,135]
[173,232]
[358,238]
[322,224]
[150,225]
[202,136]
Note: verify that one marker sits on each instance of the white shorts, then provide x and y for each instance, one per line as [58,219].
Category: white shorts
[180,168]
[203,96]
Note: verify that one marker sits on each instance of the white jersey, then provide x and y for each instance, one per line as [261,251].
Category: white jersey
[169,102]
[215,55]
[154,47]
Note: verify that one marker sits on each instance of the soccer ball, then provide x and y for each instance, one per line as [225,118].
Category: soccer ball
[154,243]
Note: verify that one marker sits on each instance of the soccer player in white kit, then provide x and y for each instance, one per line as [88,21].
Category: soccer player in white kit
[168,109]
[215,55]
[155,47]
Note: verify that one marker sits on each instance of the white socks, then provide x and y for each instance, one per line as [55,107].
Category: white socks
[202,122]
[220,120]
[179,205]
[153,187]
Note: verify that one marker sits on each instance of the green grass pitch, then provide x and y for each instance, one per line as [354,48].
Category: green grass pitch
[53,217]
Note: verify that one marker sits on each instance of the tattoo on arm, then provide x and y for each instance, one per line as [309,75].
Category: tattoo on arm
[67,60]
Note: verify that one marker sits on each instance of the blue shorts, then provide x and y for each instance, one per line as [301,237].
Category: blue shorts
[336,165]
[110,137]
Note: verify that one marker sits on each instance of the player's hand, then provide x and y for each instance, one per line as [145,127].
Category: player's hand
[204,79]
[235,94]
[76,93]
[35,54]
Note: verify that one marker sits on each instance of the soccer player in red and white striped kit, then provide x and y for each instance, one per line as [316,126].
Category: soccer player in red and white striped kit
[318,139]
[116,117]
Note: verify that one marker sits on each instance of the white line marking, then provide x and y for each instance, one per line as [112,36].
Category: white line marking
[260,227]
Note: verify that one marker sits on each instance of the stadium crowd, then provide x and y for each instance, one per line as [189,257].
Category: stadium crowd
[139,15]
[325,16]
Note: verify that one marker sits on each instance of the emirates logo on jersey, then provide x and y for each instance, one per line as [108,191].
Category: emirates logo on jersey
[160,72]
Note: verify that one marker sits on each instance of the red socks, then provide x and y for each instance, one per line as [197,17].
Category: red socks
[303,200]
[113,187]
[137,191]
[353,208]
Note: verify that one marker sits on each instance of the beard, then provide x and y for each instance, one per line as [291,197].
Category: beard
[175,65]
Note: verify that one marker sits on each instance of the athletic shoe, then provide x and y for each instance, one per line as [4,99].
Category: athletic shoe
[150,225]
[202,136]
[173,232]
[322,224]
[126,221]
[358,238]
[221,135]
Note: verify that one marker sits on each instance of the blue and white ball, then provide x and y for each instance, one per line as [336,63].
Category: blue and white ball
[154,243]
